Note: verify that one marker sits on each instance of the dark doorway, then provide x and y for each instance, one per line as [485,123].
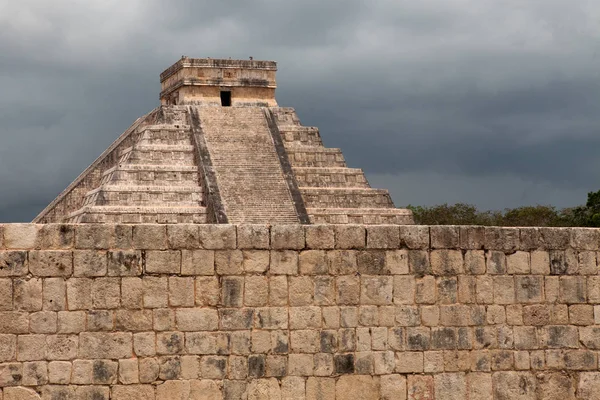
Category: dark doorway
[226,99]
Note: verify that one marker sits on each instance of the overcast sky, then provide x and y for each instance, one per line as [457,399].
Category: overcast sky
[494,103]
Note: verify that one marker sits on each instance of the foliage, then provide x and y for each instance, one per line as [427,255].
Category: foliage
[540,215]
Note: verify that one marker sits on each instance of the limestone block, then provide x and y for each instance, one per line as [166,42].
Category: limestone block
[446,262]
[236,318]
[433,361]
[529,289]
[31,347]
[267,389]
[229,262]
[61,347]
[303,341]
[540,262]
[313,262]
[396,261]
[372,262]
[320,236]
[418,338]
[323,364]
[587,263]
[105,345]
[173,390]
[444,237]
[256,291]
[376,290]
[169,367]
[238,367]
[28,294]
[197,319]
[190,367]
[35,373]
[407,316]
[169,342]
[213,367]
[82,372]
[253,236]
[450,386]
[144,344]
[13,263]
[256,365]
[205,389]
[420,387]
[149,236]
[284,263]
[504,290]
[581,314]
[475,262]
[425,290]
[106,293]
[54,294]
[134,320]
[124,263]
[495,262]
[505,239]
[495,315]
[300,364]
[132,293]
[20,393]
[324,290]
[50,263]
[368,315]
[287,237]
[59,372]
[409,362]
[404,289]
[132,392]
[342,262]
[99,236]
[183,236]
[92,392]
[320,388]
[393,387]
[232,294]
[208,291]
[414,236]
[418,262]
[6,295]
[79,293]
[256,261]
[155,292]
[293,388]
[584,238]
[514,385]
[100,320]
[197,262]
[149,370]
[479,386]
[472,237]
[163,262]
[430,315]
[447,290]
[518,263]
[216,237]
[572,289]
[8,347]
[89,263]
[301,290]
[21,236]
[181,292]
[278,290]
[55,237]
[348,289]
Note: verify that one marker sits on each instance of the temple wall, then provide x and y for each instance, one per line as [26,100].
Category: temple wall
[298,312]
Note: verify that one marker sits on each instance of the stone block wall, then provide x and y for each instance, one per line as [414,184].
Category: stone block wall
[298,312]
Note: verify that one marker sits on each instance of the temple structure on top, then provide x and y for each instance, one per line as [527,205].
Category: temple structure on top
[220,150]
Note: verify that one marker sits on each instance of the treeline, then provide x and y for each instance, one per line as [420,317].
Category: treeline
[587,215]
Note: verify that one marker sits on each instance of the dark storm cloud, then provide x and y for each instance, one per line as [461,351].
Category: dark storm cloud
[488,102]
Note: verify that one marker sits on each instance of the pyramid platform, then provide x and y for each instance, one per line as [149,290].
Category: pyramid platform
[220,150]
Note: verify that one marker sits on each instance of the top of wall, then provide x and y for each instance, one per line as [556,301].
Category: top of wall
[217,63]
[294,237]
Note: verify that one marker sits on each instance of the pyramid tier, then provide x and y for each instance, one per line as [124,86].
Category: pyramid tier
[346,198]
[144,195]
[313,156]
[330,177]
[154,175]
[367,216]
[139,215]
[159,154]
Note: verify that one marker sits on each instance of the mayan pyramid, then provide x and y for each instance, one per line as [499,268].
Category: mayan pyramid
[220,150]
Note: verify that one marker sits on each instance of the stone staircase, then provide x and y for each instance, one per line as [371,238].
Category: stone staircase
[332,192]
[248,171]
[156,180]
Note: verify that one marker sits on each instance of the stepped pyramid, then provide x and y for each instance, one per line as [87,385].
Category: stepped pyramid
[220,150]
